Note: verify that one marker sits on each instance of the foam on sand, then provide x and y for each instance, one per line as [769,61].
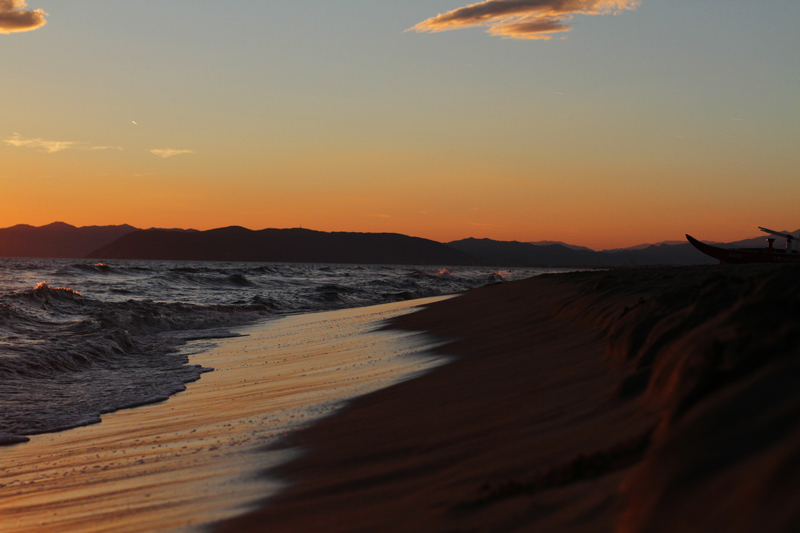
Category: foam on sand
[192,460]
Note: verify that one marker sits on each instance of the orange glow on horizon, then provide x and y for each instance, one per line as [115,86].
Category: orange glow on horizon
[610,208]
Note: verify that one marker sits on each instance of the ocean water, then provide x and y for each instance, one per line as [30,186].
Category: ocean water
[79,339]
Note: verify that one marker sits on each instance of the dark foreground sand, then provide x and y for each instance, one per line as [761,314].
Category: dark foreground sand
[641,400]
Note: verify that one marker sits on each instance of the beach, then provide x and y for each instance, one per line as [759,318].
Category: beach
[192,460]
[657,399]
[631,400]
[384,267]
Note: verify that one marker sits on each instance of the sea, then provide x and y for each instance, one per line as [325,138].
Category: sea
[79,339]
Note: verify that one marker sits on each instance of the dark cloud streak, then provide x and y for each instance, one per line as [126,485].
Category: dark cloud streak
[15,18]
[522,19]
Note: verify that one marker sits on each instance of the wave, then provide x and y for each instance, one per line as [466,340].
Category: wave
[265,269]
[42,293]
[497,277]
[400,296]
[65,358]
[240,280]
[205,277]
[190,270]
[101,268]
[441,273]
[267,303]
[100,337]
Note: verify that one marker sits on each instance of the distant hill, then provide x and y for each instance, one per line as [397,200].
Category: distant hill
[646,245]
[282,245]
[659,254]
[515,253]
[60,240]
[57,240]
[761,241]
[570,246]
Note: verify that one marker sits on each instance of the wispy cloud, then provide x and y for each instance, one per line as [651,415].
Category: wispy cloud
[45,146]
[15,18]
[169,152]
[94,148]
[52,147]
[522,19]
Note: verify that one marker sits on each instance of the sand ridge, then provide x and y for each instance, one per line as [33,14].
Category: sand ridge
[636,400]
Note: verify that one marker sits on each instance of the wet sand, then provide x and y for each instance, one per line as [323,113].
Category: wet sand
[633,400]
[194,459]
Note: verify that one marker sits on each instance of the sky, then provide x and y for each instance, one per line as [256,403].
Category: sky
[603,123]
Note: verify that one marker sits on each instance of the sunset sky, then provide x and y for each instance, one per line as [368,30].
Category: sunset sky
[604,123]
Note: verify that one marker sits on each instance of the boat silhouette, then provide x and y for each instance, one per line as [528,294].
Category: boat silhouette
[768,254]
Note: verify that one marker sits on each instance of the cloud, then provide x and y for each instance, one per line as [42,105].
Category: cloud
[97,148]
[522,19]
[169,152]
[14,18]
[46,146]
[52,147]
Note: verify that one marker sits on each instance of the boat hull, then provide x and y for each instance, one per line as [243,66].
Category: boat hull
[734,256]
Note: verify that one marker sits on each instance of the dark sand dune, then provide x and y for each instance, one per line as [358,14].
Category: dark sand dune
[641,400]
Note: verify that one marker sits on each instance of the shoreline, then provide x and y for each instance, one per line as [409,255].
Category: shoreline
[578,402]
[193,459]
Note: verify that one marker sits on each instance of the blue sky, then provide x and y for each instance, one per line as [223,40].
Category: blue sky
[668,117]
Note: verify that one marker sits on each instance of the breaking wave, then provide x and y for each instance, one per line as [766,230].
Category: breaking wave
[103,337]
